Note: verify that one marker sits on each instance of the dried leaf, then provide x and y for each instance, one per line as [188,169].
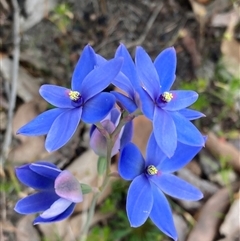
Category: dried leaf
[30,148]
[210,216]
[230,225]
[142,129]
[28,86]
[26,231]
[36,10]
[223,149]
[231,48]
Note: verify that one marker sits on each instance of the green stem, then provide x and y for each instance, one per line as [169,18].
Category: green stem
[110,143]
[101,188]
[89,217]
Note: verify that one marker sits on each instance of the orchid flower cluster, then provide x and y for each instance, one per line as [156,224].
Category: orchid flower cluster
[145,89]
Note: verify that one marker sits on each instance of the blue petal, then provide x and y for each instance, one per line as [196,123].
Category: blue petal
[32,179]
[36,202]
[100,78]
[60,217]
[176,187]
[164,131]
[154,154]
[146,104]
[182,156]
[187,133]
[95,109]
[147,73]
[181,99]
[128,67]
[125,102]
[123,83]
[139,201]
[56,95]
[84,66]
[127,134]
[191,114]
[63,129]
[161,214]
[100,60]
[41,124]
[165,64]
[114,116]
[131,162]
[45,171]
[92,128]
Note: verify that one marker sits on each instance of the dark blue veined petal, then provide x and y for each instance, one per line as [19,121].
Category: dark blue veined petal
[161,214]
[128,67]
[182,156]
[96,109]
[36,202]
[127,134]
[125,102]
[84,66]
[191,114]
[139,201]
[181,99]
[187,133]
[63,129]
[32,179]
[154,155]
[147,105]
[131,162]
[45,171]
[58,207]
[164,131]
[100,78]
[176,187]
[165,64]
[60,217]
[147,73]
[56,95]
[41,124]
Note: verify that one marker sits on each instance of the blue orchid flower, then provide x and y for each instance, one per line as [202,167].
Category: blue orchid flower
[82,102]
[58,192]
[164,106]
[153,177]
[128,82]
[99,143]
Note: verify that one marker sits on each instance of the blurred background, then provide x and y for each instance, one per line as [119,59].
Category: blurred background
[41,41]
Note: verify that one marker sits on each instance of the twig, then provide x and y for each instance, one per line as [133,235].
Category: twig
[149,24]
[12,100]
[209,217]
[221,149]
